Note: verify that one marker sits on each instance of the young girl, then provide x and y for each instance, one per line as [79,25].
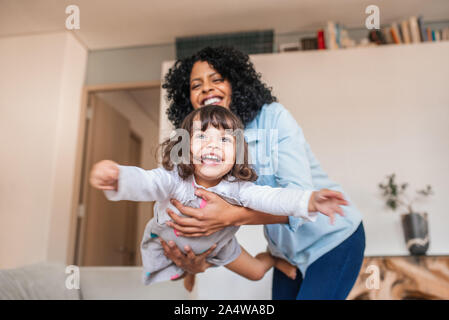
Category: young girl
[216,160]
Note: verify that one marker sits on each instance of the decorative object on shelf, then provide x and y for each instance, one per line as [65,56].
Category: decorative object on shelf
[321,40]
[287,47]
[309,43]
[337,37]
[402,278]
[414,224]
[377,37]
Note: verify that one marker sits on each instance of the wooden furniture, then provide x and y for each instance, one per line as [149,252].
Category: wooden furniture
[402,278]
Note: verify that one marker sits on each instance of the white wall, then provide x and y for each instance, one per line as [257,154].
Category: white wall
[366,112]
[41,80]
[130,64]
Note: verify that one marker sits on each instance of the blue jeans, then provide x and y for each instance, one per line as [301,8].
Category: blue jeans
[331,277]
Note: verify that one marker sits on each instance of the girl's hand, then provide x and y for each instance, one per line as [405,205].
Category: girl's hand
[327,202]
[216,215]
[104,175]
[189,261]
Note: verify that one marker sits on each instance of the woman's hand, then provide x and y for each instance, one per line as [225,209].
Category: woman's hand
[189,262]
[216,215]
[104,175]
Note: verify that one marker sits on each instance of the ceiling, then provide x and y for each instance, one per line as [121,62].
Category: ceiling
[121,23]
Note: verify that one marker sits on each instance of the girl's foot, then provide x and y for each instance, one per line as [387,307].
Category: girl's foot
[189,281]
[286,268]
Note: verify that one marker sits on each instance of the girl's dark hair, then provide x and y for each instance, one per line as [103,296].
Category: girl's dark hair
[220,118]
[249,93]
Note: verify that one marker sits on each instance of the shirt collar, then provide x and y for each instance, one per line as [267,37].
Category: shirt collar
[224,187]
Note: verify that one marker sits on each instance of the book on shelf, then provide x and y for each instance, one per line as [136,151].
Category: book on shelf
[387,35]
[405,30]
[395,33]
[338,35]
[445,34]
[414,30]
[331,36]
[422,30]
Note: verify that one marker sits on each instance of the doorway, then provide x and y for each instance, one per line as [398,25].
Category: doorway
[121,124]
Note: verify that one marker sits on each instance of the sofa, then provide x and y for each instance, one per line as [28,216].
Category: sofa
[49,281]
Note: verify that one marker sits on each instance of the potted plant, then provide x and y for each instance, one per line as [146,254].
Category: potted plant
[414,224]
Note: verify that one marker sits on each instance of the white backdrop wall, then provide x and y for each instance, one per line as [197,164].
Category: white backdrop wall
[366,112]
[41,82]
[369,112]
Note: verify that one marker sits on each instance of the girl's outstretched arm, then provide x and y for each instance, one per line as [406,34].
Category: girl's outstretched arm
[132,183]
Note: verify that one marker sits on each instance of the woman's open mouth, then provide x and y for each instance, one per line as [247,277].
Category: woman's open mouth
[211,100]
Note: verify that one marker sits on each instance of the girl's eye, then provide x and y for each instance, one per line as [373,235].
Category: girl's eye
[226,139]
[200,136]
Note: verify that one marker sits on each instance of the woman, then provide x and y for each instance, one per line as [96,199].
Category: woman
[326,257]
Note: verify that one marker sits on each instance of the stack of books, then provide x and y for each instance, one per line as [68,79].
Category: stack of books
[411,30]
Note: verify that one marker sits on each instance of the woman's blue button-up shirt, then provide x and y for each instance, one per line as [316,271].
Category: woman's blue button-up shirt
[282,157]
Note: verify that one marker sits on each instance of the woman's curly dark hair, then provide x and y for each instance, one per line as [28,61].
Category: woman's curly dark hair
[249,93]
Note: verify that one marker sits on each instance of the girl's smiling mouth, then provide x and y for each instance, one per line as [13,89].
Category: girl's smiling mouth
[211,159]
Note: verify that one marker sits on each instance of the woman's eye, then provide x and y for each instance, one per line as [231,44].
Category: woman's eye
[218,80]
[195,86]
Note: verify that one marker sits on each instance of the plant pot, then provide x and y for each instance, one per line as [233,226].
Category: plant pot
[416,232]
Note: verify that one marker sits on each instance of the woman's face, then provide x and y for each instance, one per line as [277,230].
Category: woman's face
[207,86]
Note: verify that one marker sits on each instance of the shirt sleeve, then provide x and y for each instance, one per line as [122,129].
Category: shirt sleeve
[276,201]
[137,184]
[292,168]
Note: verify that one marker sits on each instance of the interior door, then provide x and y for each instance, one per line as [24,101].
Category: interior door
[132,240]
[104,236]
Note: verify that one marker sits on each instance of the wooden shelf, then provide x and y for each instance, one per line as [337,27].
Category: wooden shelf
[402,278]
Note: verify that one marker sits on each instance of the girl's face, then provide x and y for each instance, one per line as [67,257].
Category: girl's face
[213,153]
[207,86]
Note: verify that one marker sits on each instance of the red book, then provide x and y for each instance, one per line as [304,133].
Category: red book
[429,34]
[321,43]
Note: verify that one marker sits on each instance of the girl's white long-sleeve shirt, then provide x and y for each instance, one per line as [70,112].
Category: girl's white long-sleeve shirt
[161,185]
